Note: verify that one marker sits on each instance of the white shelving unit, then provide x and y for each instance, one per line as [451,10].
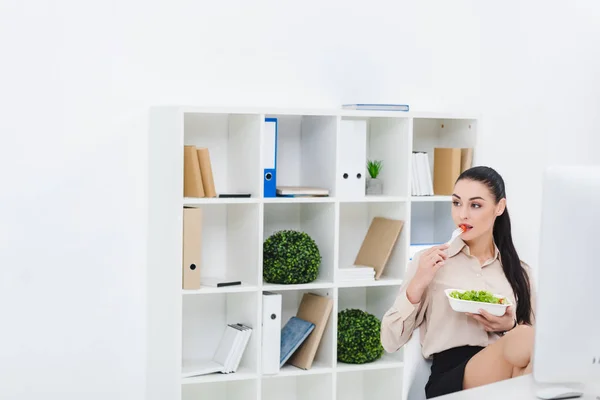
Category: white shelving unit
[187,324]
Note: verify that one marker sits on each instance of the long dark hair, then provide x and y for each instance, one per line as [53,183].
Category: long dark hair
[511,264]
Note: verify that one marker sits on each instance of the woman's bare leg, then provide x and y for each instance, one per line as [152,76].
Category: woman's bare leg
[508,357]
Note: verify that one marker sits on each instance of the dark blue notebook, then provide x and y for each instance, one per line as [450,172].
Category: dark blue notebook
[294,332]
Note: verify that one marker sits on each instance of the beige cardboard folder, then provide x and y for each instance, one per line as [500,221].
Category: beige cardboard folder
[192,247]
[206,172]
[466,159]
[448,164]
[446,169]
[192,179]
[378,244]
[315,309]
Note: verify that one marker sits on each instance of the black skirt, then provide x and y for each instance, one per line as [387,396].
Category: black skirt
[448,370]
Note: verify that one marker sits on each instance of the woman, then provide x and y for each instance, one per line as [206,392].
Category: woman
[468,350]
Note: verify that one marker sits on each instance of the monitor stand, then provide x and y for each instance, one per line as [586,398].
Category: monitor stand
[555,392]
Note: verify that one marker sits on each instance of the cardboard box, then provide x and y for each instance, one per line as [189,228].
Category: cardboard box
[448,164]
[192,247]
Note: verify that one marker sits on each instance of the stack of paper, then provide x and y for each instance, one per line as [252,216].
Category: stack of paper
[421,181]
[357,274]
[227,356]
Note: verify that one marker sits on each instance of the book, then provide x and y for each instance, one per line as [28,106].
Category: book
[316,309]
[206,173]
[192,178]
[297,191]
[227,355]
[378,244]
[293,334]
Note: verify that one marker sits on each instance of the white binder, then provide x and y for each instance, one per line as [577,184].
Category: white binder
[271,332]
[352,154]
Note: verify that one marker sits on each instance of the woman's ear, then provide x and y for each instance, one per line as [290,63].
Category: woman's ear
[501,207]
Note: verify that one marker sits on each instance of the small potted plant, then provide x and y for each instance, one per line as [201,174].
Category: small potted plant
[374,184]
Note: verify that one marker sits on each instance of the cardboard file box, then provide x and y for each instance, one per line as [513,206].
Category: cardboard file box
[448,164]
[192,247]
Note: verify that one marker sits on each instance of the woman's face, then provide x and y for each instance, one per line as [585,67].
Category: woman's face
[473,205]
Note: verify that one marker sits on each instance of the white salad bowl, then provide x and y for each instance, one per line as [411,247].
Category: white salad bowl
[469,306]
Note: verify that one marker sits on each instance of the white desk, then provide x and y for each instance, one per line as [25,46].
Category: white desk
[522,387]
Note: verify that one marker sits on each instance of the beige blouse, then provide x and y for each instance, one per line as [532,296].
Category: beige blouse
[441,327]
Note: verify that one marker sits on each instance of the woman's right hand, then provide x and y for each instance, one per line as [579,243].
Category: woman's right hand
[430,262]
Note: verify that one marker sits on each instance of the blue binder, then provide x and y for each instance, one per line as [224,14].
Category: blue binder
[270,158]
[293,334]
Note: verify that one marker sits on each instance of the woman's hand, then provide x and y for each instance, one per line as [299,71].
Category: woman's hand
[491,323]
[429,263]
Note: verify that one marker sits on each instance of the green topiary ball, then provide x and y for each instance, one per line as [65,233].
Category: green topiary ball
[359,339]
[290,257]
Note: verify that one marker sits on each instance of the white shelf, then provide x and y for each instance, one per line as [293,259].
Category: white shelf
[187,324]
[318,284]
[195,202]
[385,362]
[290,370]
[376,199]
[437,198]
[288,200]
[383,281]
[240,375]
[243,288]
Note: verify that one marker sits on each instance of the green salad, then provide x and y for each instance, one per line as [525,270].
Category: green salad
[482,296]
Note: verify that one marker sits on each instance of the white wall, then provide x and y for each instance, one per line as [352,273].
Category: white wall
[76,79]
[540,97]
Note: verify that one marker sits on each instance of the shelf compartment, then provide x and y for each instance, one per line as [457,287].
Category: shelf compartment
[230,247]
[386,139]
[306,387]
[370,384]
[429,133]
[354,222]
[316,219]
[306,150]
[204,319]
[431,222]
[226,390]
[374,300]
[290,301]
[233,141]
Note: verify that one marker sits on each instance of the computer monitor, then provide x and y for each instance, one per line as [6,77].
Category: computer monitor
[567,331]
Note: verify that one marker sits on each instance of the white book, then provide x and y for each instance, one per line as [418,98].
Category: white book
[426,174]
[240,347]
[227,355]
[416,175]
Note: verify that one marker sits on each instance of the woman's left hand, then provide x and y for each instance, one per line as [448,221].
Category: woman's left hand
[491,323]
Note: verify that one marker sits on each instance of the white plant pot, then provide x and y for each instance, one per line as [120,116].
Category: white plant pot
[374,186]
